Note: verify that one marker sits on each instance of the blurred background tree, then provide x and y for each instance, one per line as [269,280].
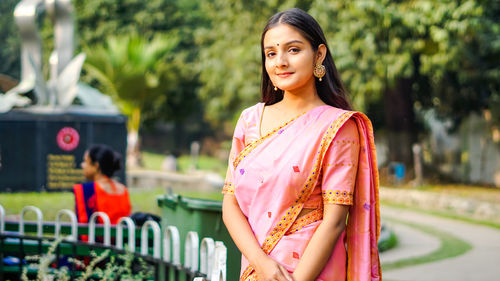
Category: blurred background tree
[10,44]
[135,72]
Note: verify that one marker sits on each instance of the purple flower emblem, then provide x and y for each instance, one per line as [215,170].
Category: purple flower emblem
[242,171]
[366,206]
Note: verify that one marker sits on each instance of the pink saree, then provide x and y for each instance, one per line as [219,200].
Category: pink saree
[325,156]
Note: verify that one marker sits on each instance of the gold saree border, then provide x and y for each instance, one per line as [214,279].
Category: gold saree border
[293,211]
[256,143]
[251,277]
[305,220]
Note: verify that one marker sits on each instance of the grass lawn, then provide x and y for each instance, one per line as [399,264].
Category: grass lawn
[153,161]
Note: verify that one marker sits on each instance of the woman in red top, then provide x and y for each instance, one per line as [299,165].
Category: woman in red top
[101,193]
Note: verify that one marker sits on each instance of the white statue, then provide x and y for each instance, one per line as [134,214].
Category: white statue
[62,87]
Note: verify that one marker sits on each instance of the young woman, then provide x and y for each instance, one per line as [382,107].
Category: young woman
[101,193]
[301,164]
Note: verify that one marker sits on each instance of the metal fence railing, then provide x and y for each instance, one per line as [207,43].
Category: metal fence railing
[159,251]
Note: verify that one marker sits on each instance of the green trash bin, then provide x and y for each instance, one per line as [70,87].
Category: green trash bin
[204,217]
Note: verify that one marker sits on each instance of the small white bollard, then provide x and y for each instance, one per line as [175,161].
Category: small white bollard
[2,220]
[171,238]
[107,228]
[156,238]
[74,227]
[191,250]
[219,271]
[131,233]
[39,220]
[207,251]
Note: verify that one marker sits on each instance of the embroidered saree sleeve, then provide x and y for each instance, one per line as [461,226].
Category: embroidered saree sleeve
[238,144]
[340,166]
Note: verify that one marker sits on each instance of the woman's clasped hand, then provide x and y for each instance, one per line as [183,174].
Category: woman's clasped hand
[268,269]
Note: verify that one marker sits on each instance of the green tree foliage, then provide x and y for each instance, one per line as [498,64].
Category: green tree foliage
[138,73]
[10,54]
[133,70]
[445,47]
[98,20]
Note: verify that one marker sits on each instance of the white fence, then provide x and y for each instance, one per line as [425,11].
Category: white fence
[207,257]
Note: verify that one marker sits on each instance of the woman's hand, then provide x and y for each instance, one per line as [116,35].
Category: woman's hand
[268,269]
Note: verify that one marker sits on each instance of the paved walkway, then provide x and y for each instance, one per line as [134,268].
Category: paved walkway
[411,243]
[481,263]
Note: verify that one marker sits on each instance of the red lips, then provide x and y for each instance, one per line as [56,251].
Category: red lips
[284,74]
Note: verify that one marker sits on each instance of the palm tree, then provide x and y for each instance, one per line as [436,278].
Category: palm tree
[134,71]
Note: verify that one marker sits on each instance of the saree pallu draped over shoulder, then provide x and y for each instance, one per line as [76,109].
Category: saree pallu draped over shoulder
[274,176]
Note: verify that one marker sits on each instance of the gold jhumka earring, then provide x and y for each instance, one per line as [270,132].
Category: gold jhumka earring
[319,71]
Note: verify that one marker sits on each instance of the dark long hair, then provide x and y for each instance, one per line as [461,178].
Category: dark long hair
[331,90]
[109,160]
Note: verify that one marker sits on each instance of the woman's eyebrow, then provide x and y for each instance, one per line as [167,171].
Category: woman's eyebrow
[286,44]
[294,41]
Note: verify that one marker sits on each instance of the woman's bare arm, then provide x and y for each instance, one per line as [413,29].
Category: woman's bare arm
[242,235]
[321,245]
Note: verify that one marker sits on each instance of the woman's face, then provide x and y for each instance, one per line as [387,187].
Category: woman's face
[290,59]
[90,170]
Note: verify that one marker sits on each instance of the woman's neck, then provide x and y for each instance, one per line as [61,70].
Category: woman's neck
[302,98]
[107,184]
[100,177]
[304,101]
